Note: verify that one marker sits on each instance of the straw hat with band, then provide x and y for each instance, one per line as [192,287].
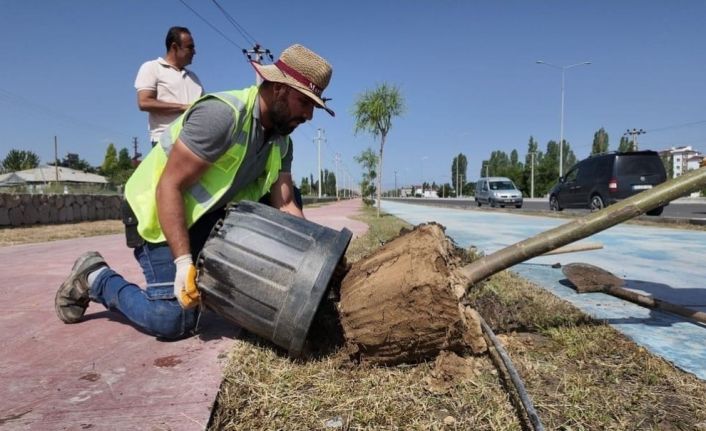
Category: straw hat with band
[301,69]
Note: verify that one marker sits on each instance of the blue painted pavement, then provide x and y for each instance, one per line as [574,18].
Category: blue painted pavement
[669,264]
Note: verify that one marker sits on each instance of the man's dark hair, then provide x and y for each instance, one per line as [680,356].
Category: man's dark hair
[174,36]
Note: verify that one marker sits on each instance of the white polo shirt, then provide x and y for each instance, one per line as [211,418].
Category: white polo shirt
[171,85]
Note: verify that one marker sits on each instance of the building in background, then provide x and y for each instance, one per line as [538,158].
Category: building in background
[51,179]
[681,160]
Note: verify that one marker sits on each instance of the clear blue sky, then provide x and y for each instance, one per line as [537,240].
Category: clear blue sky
[466,69]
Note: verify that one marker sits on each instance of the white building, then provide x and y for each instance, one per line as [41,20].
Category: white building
[37,180]
[684,159]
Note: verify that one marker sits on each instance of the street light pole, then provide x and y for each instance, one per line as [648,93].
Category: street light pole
[532,176]
[561,125]
[457,176]
[396,194]
[422,172]
[319,137]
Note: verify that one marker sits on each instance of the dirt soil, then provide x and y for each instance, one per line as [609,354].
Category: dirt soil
[398,304]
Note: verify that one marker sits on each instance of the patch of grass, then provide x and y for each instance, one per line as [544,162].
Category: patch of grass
[583,374]
[266,391]
[42,233]
[510,303]
[380,230]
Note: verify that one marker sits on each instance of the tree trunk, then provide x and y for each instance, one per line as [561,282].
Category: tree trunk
[382,146]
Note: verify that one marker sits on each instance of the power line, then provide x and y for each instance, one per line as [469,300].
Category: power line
[18,101]
[676,126]
[210,25]
[248,38]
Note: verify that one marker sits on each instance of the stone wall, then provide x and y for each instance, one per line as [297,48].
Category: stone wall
[26,209]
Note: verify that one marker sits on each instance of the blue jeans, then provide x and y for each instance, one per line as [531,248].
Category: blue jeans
[154,309]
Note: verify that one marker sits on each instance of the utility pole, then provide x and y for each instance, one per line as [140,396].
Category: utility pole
[461,178]
[135,154]
[336,159]
[347,191]
[532,176]
[396,193]
[56,159]
[345,181]
[457,176]
[256,54]
[319,137]
[634,134]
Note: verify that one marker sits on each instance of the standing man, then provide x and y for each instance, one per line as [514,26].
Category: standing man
[226,147]
[165,87]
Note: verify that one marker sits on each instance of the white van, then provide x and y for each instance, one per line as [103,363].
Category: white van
[495,191]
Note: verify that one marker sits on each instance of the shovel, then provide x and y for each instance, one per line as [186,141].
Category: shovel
[590,278]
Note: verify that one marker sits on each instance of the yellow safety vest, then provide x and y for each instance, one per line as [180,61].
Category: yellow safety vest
[141,188]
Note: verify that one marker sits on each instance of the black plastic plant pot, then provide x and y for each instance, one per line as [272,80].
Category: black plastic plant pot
[267,271]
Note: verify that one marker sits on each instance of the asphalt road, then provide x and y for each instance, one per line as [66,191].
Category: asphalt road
[691,209]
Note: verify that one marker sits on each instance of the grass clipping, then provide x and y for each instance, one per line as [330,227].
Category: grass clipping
[581,375]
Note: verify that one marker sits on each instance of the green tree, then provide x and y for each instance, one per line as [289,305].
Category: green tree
[313,184]
[547,170]
[123,168]
[498,164]
[600,142]
[625,144]
[328,183]
[515,169]
[444,190]
[305,187]
[110,161]
[469,189]
[459,166]
[526,182]
[124,160]
[569,157]
[668,162]
[373,112]
[73,161]
[368,160]
[19,160]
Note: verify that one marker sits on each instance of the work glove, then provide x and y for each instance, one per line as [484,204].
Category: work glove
[185,282]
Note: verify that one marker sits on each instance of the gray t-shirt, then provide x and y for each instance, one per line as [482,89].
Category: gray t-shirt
[207,131]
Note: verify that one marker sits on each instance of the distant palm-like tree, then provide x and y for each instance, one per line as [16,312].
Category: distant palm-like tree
[373,112]
[19,160]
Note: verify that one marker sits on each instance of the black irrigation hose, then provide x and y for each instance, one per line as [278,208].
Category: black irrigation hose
[516,380]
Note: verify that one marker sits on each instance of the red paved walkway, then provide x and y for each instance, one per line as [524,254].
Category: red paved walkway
[103,373]
[337,216]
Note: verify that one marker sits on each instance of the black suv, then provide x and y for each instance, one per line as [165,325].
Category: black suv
[605,179]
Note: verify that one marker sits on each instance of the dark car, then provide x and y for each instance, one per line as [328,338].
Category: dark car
[607,178]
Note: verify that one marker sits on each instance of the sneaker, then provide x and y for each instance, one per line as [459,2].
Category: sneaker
[72,298]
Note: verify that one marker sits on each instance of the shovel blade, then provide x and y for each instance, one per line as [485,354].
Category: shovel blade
[590,278]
